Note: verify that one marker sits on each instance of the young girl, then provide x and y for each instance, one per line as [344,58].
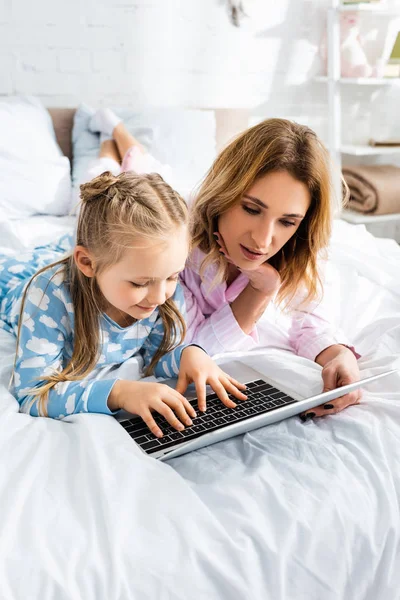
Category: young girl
[114,297]
[259,223]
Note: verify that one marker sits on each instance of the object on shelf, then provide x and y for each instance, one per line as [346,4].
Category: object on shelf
[392,71]
[392,67]
[384,143]
[345,2]
[353,60]
[373,188]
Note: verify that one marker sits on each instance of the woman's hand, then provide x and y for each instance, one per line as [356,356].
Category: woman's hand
[264,279]
[141,398]
[340,367]
[198,368]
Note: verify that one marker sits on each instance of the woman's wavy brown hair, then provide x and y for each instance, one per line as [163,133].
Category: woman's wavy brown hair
[114,212]
[271,146]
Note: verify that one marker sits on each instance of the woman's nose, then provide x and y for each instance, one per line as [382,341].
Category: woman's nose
[264,236]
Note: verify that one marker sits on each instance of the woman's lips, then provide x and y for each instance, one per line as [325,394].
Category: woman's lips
[249,254]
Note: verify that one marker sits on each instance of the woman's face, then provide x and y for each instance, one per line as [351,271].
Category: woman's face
[264,219]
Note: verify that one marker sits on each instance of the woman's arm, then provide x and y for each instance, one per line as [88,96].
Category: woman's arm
[210,320]
[249,306]
[339,367]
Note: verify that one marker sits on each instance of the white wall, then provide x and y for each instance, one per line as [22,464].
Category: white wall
[169,52]
[160,52]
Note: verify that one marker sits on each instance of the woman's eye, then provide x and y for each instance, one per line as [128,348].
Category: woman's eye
[288,223]
[251,211]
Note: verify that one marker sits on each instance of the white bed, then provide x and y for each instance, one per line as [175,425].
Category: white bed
[287,512]
[290,511]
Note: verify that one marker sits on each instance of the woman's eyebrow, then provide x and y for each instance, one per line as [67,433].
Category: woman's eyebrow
[258,201]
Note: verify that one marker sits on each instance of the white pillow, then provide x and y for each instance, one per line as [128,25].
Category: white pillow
[34,175]
[184,139]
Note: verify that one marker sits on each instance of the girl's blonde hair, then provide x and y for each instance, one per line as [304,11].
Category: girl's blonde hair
[115,210]
[271,146]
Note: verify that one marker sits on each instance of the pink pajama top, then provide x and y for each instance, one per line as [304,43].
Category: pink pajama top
[212,324]
[210,320]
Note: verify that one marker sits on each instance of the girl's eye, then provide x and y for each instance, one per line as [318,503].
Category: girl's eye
[288,223]
[251,211]
[139,285]
[174,278]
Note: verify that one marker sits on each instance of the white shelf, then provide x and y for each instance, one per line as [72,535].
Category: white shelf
[369,150]
[362,80]
[368,8]
[352,216]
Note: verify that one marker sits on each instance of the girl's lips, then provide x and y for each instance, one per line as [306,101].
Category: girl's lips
[146,307]
[249,254]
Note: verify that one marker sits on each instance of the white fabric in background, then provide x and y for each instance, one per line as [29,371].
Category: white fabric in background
[184,139]
[291,511]
[35,176]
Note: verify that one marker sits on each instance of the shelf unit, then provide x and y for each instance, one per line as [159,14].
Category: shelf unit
[334,83]
[378,225]
[380,7]
[371,81]
[357,150]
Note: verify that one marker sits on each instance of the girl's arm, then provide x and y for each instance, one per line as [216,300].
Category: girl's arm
[45,345]
[169,364]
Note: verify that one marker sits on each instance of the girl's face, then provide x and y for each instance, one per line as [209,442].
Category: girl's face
[144,278]
[264,219]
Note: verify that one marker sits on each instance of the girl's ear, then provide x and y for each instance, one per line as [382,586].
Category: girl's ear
[84,261]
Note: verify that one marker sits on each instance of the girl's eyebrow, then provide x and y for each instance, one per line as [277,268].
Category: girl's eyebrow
[157,278]
[258,201]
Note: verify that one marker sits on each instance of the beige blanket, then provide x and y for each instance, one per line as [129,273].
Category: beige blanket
[373,188]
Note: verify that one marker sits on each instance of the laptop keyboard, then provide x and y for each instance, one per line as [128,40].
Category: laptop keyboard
[261,398]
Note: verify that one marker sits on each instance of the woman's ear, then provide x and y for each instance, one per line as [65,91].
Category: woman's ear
[84,261]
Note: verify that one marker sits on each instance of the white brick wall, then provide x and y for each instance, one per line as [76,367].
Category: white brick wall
[161,52]
[177,53]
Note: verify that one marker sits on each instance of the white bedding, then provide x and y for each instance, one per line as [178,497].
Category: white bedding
[289,512]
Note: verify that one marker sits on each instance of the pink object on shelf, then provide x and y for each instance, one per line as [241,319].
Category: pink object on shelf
[354,62]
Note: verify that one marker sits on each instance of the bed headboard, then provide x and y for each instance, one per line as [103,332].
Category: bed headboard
[229,122]
[63,119]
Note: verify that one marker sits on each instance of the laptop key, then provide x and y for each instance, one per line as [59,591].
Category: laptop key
[206,418]
[150,445]
[198,428]
[276,395]
[187,432]
[176,436]
[251,384]
[141,440]
[230,418]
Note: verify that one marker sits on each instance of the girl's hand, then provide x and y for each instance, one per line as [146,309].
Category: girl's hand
[198,368]
[340,367]
[263,279]
[140,398]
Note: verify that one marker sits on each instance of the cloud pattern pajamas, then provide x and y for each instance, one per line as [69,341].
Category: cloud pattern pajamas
[47,335]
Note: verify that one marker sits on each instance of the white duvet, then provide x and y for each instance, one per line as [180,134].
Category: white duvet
[288,512]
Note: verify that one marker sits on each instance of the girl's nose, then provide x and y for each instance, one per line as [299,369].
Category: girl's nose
[157,294]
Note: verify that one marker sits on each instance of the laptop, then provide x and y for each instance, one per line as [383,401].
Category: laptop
[266,404]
